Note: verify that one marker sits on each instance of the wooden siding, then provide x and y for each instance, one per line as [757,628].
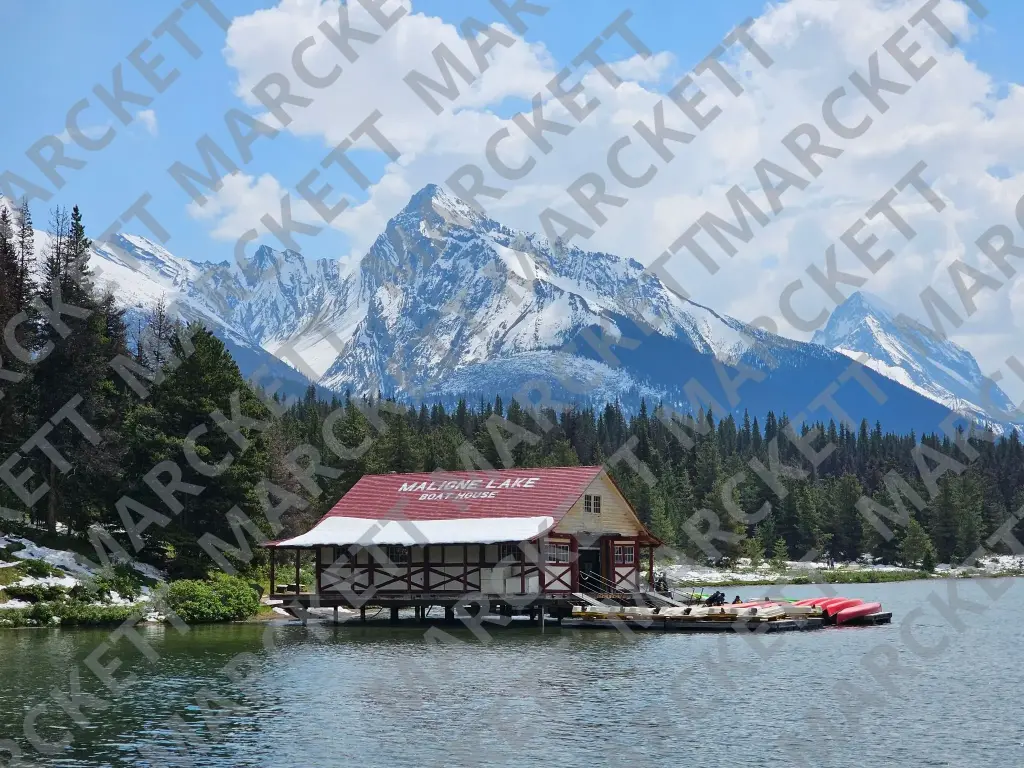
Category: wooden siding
[616,514]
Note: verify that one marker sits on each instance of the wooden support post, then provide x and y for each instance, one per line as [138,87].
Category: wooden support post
[273,574]
[574,560]
[521,555]
[650,568]
[298,555]
[394,613]
[362,614]
[449,613]
[542,614]
[426,567]
[316,570]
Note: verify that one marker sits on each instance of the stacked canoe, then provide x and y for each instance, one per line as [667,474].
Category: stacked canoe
[838,611]
[847,610]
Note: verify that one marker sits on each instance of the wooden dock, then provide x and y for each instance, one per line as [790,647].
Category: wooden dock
[696,625]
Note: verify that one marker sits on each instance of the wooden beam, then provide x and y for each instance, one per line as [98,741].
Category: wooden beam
[273,573]
[522,569]
[426,567]
[574,560]
[542,559]
[298,555]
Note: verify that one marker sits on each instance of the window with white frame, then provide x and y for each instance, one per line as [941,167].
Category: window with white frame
[508,552]
[398,555]
[588,506]
[624,554]
[596,506]
[558,553]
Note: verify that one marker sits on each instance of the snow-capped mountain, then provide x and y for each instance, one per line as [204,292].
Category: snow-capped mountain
[867,328]
[448,302]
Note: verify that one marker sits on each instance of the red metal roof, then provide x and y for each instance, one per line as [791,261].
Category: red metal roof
[546,492]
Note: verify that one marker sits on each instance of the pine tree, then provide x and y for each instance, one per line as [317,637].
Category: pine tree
[780,555]
[26,256]
[753,548]
[915,545]
[661,524]
[206,381]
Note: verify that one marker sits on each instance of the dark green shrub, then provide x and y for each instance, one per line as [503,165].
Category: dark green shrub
[240,599]
[75,613]
[223,598]
[70,613]
[194,601]
[41,612]
[39,568]
[35,593]
[14,617]
[121,578]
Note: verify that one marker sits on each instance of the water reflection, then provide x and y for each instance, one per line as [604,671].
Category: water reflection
[284,695]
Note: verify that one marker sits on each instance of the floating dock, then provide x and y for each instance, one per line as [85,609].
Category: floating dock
[696,625]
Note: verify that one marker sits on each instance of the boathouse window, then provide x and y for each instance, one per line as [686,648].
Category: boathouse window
[508,552]
[558,553]
[624,554]
[396,554]
[592,505]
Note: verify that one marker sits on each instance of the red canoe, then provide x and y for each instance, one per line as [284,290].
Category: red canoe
[807,601]
[825,602]
[835,606]
[856,611]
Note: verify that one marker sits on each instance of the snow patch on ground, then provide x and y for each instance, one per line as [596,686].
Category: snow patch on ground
[743,571]
[990,566]
[66,560]
[47,581]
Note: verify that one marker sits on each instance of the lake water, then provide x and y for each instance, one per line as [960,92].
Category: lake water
[938,687]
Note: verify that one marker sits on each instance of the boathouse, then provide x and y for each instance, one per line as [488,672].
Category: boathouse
[513,536]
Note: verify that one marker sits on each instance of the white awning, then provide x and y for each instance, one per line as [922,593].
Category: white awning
[342,531]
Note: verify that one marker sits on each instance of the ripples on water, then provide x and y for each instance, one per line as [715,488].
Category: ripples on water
[351,696]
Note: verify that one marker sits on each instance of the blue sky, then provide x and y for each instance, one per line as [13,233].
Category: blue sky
[63,49]
[961,121]
[49,34]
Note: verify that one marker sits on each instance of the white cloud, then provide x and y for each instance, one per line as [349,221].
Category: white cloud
[148,119]
[954,119]
[241,204]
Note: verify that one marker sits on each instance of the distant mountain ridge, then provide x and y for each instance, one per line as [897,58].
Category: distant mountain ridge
[449,302]
[867,328]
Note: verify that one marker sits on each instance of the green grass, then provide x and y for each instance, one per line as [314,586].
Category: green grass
[873,577]
[10,575]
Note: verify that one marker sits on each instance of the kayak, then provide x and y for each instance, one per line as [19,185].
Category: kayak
[836,606]
[856,611]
